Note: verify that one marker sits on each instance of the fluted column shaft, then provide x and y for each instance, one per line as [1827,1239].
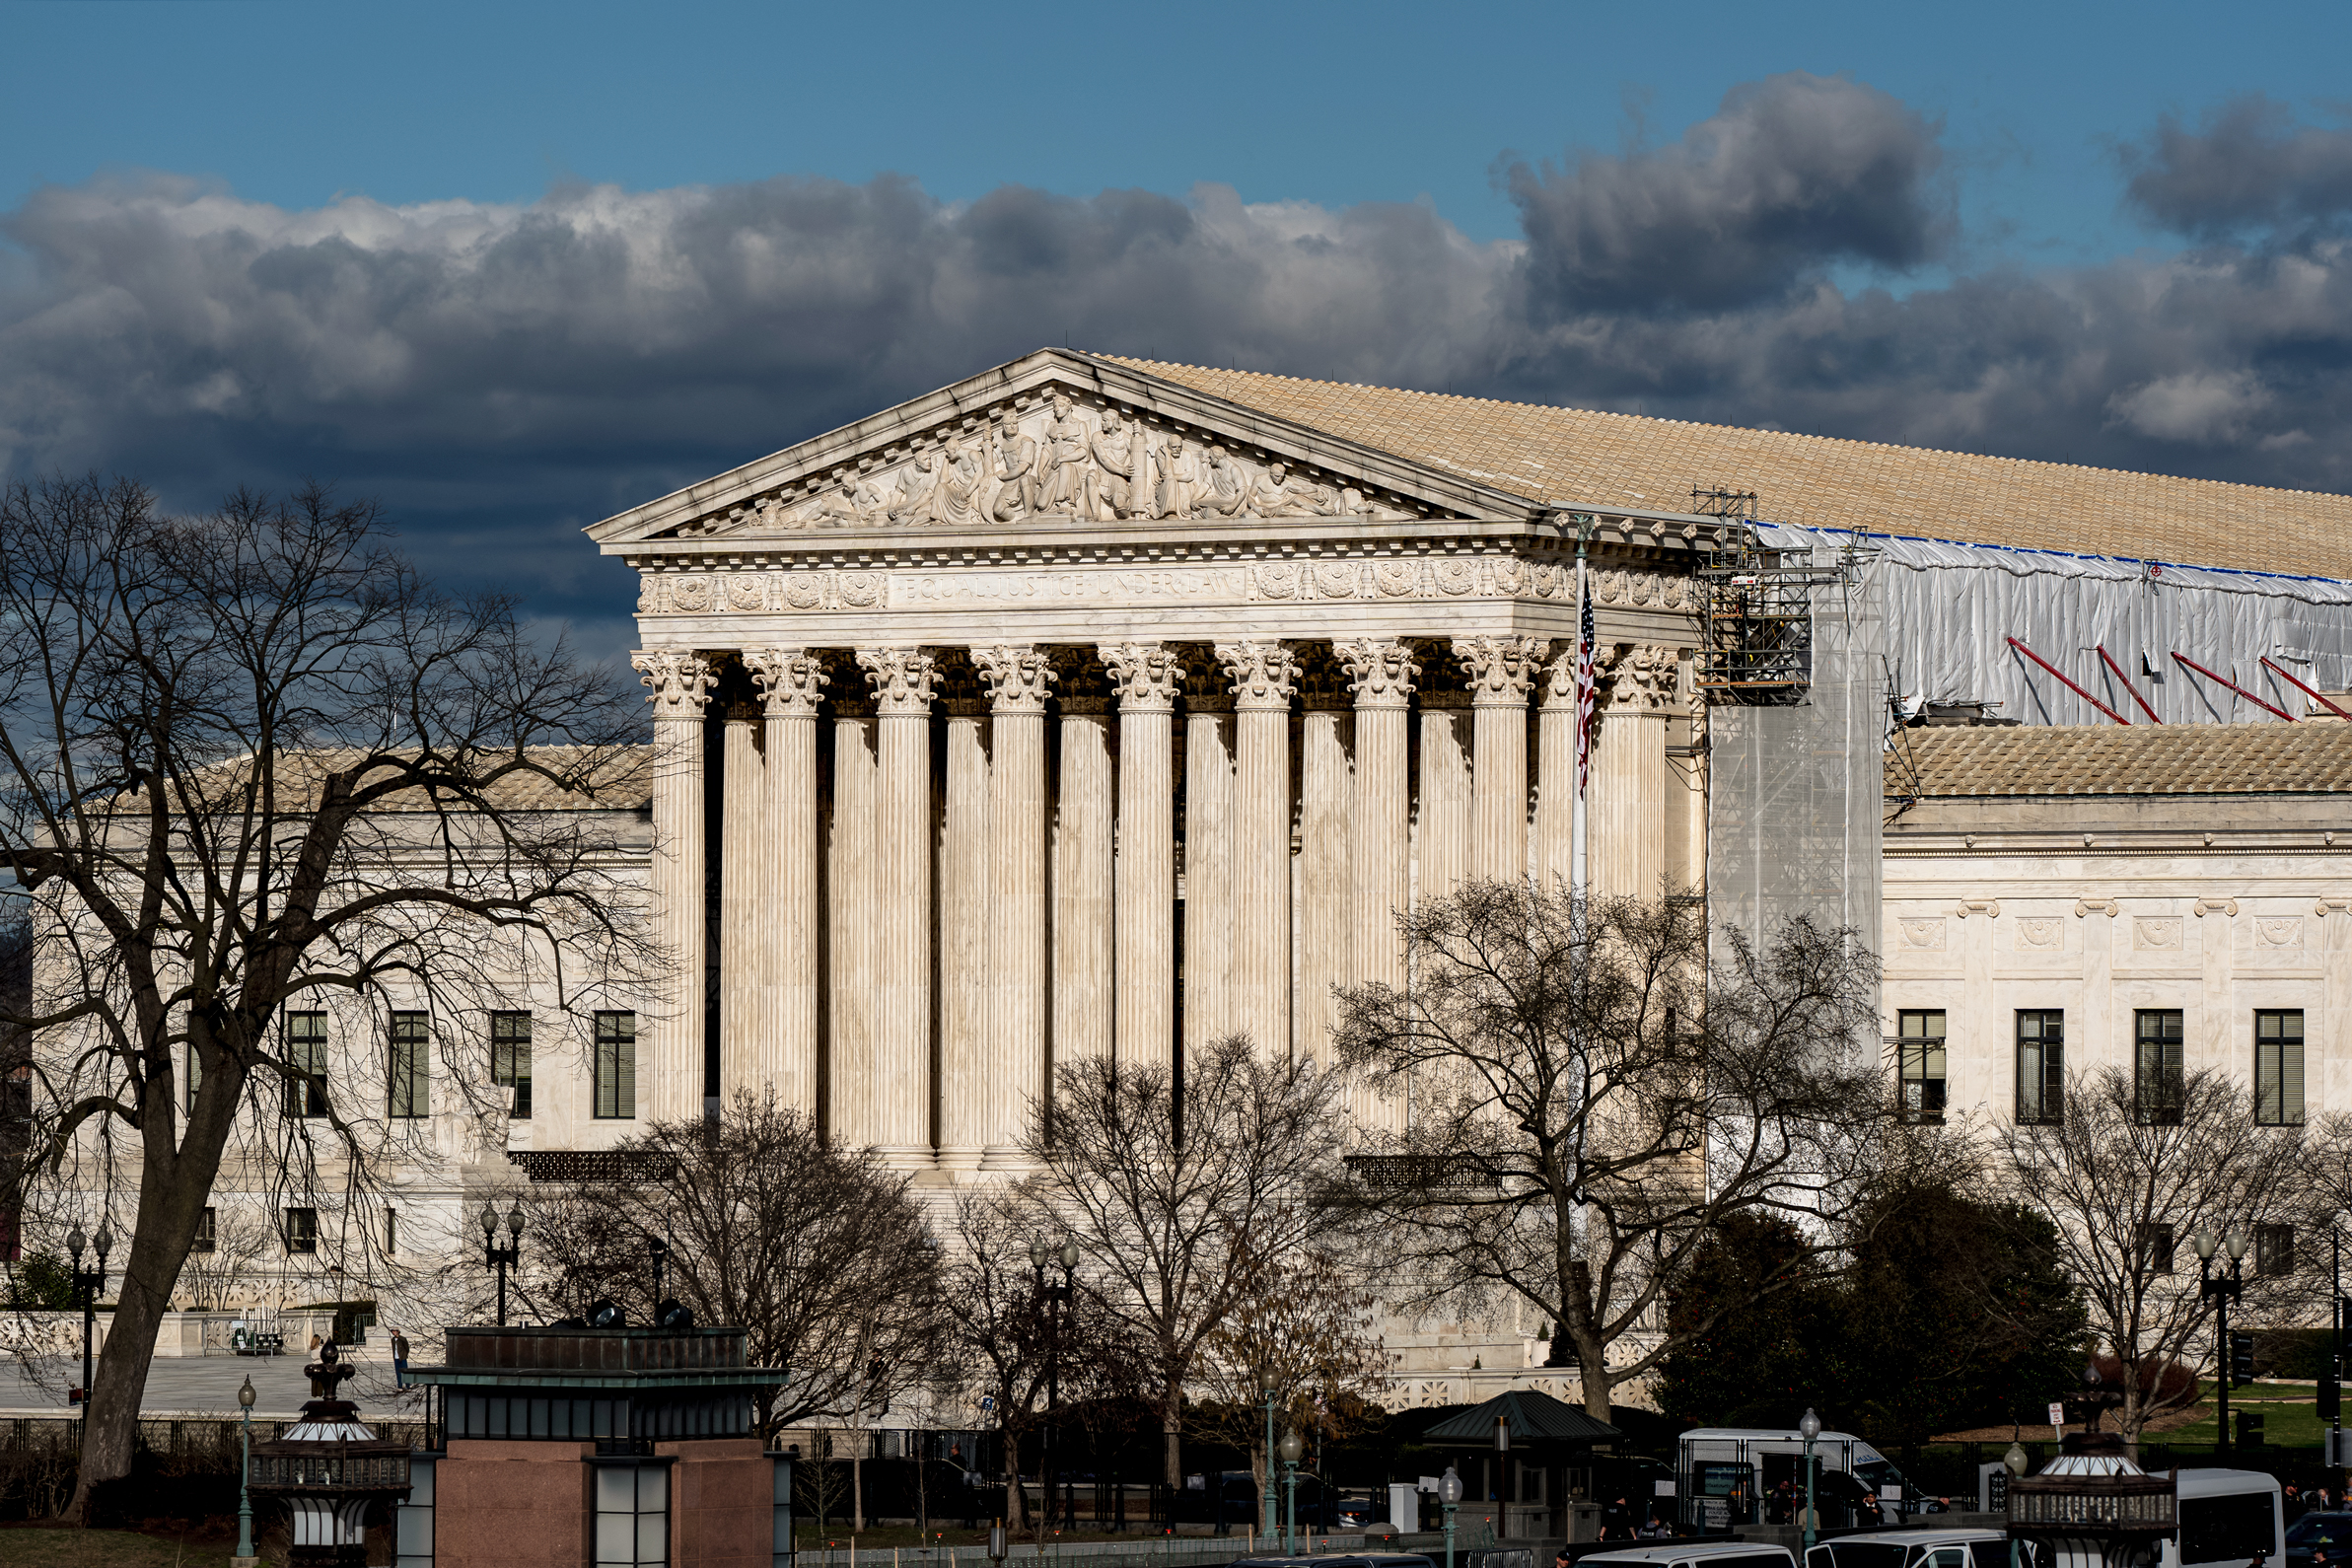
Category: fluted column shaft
[850,924]
[1018,679]
[967,1080]
[898,1099]
[1381,675]
[1325,887]
[669,1058]
[1627,802]
[1264,678]
[743,895]
[1441,841]
[1498,670]
[1555,776]
[1081,882]
[1208,865]
[1145,677]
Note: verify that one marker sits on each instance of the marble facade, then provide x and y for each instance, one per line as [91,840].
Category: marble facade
[1067,711]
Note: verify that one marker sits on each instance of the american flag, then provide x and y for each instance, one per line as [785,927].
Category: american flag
[1585,695]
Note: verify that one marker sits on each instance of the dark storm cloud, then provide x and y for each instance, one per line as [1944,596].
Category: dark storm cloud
[1789,175]
[504,374]
[2249,166]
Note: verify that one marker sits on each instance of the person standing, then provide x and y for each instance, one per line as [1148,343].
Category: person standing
[400,1350]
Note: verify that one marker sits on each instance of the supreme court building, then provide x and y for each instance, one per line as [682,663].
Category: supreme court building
[1091,706]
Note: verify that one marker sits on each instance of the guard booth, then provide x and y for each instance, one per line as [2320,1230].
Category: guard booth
[2091,1507]
[1536,1482]
[591,1448]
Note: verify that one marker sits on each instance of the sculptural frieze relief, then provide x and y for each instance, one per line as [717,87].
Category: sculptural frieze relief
[1057,459]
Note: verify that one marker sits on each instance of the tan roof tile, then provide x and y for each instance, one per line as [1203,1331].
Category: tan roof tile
[1577,456]
[1942,763]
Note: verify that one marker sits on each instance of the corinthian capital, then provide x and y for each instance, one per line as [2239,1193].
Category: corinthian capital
[680,683]
[1144,674]
[902,680]
[1499,670]
[1380,674]
[1018,678]
[1642,679]
[1264,675]
[790,680]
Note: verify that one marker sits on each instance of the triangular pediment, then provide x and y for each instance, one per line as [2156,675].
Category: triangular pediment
[1061,441]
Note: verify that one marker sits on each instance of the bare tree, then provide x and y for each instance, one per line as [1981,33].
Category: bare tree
[251,762]
[821,1253]
[1305,1336]
[213,1271]
[1179,1199]
[1591,1104]
[2129,1174]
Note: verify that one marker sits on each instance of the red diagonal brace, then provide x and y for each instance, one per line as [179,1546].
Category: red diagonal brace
[2069,684]
[2315,696]
[2110,659]
[2235,686]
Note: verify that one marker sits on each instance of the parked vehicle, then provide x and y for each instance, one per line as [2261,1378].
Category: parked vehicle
[1723,1475]
[2227,1517]
[1692,1554]
[1373,1559]
[1915,1548]
[2319,1541]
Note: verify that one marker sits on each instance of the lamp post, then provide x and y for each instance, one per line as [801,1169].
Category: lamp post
[88,1283]
[1501,1469]
[245,1478]
[1041,1253]
[659,1249]
[1292,1448]
[1450,1494]
[2013,1462]
[501,1259]
[1810,1429]
[1266,1501]
[2220,1290]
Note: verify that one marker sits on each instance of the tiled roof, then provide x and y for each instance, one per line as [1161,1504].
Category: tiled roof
[620,777]
[2308,758]
[1571,456]
[1533,1415]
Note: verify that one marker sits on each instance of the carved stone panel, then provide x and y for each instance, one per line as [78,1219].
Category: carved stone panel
[2156,934]
[2279,933]
[1924,935]
[2040,934]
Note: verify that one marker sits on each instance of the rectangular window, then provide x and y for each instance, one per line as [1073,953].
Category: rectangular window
[2274,1250]
[305,1055]
[302,1230]
[2278,1069]
[208,1233]
[2040,1066]
[196,1073]
[510,1057]
[411,1063]
[391,1232]
[2156,1247]
[1920,1057]
[2157,1074]
[632,1516]
[616,1065]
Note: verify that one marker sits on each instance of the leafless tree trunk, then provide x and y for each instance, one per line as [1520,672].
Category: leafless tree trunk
[251,762]
[2129,1176]
[1590,1103]
[1176,1230]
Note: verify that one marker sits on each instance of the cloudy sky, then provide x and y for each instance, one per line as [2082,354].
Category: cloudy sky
[514,267]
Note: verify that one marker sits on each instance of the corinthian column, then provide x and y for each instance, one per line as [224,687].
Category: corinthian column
[1264,678]
[1324,885]
[899,1094]
[672,1065]
[1555,776]
[1381,675]
[965,917]
[1081,875]
[1498,672]
[1145,677]
[1018,679]
[1208,861]
[850,920]
[781,1046]
[744,875]
[1627,802]
[1442,836]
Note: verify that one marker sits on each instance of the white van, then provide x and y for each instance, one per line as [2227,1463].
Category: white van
[1915,1548]
[1723,1473]
[2228,1516]
[1694,1555]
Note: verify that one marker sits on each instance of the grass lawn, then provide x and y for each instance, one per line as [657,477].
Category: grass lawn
[38,1547]
[2289,1412]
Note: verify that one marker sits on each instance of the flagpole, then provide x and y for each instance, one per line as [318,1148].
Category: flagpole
[1576,819]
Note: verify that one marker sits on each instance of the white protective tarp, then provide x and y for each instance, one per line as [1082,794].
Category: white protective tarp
[1951,608]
